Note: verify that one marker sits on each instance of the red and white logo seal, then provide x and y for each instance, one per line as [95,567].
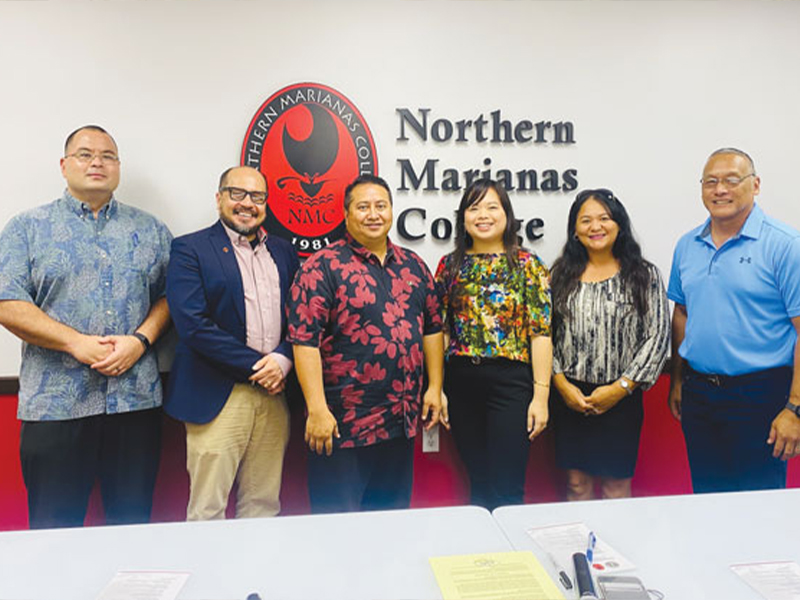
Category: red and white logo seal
[310,142]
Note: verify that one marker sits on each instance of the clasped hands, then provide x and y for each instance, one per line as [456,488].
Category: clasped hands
[109,355]
[602,399]
[268,374]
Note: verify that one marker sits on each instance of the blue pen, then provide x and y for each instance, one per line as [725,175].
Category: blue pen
[590,548]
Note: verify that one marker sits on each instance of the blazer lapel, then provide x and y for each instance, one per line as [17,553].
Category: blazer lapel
[221,244]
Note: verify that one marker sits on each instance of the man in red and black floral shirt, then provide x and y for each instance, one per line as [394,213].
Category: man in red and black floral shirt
[363,319]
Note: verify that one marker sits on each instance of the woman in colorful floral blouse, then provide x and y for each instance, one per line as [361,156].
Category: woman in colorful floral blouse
[496,301]
[611,332]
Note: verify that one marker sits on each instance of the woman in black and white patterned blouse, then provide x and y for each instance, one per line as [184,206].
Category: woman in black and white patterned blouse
[610,335]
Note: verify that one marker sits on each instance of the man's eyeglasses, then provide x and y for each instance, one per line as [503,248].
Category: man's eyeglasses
[84,156]
[238,194]
[728,182]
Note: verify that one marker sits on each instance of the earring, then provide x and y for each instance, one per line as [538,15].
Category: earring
[575,236]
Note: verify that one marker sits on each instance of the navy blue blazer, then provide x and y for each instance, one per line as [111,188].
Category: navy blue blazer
[206,301]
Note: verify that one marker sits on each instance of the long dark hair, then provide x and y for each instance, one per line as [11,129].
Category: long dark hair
[568,268]
[474,193]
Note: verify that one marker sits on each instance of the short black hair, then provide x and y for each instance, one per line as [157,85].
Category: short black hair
[85,128]
[223,179]
[363,180]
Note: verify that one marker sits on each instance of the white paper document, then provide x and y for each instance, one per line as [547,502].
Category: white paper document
[560,542]
[773,580]
[144,585]
[430,439]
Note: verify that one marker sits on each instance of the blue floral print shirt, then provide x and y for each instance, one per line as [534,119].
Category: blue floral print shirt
[99,276]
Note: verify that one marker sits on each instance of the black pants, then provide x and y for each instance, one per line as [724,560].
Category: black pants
[377,477]
[62,459]
[488,404]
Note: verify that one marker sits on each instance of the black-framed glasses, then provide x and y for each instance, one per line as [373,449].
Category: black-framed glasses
[84,156]
[238,194]
[728,182]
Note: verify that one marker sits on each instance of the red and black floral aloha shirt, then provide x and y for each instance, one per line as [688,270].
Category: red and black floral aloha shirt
[368,321]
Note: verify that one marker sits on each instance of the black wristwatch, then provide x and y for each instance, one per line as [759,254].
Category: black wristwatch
[142,338]
[795,408]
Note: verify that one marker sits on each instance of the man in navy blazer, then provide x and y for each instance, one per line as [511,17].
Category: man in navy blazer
[227,287]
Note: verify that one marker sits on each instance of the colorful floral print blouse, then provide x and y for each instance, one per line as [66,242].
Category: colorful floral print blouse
[492,311]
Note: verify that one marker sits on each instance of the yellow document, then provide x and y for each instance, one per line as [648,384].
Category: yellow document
[494,576]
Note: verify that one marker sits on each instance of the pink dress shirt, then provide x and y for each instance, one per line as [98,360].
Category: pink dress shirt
[262,295]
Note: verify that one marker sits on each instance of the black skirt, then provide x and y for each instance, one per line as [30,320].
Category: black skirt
[604,445]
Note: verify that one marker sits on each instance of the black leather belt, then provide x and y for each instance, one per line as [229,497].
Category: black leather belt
[733,380]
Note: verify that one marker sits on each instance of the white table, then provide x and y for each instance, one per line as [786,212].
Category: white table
[682,545]
[378,555]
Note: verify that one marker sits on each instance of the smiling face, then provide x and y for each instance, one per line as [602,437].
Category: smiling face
[485,221]
[244,217]
[369,215]
[730,204]
[90,166]
[595,228]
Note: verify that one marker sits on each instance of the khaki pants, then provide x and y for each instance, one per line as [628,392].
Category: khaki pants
[244,444]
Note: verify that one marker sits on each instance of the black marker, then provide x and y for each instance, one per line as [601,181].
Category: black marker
[583,577]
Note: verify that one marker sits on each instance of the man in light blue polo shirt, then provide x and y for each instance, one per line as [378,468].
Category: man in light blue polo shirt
[735,282]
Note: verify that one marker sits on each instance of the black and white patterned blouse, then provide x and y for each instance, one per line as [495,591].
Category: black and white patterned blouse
[605,338]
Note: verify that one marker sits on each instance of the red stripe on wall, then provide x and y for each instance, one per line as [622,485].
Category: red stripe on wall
[439,478]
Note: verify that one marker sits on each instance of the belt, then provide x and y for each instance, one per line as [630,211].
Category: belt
[478,360]
[725,381]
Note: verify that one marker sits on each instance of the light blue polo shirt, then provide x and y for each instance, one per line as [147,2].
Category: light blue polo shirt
[739,298]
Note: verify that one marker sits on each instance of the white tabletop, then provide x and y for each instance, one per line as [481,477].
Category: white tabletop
[378,555]
[683,546]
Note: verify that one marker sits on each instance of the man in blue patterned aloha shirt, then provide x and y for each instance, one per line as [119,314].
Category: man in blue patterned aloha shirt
[82,283]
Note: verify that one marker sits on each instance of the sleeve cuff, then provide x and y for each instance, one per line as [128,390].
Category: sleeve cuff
[283,362]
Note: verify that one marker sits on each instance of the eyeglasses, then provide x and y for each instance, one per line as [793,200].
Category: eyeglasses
[727,182]
[238,194]
[84,156]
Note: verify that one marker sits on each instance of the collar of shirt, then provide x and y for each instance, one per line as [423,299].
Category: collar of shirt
[751,228]
[82,209]
[367,254]
[237,239]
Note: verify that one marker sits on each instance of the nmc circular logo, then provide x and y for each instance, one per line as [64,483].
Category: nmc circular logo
[309,141]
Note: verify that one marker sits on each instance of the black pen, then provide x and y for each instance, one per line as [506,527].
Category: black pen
[562,574]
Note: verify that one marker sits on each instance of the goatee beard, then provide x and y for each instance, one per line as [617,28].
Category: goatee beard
[240,229]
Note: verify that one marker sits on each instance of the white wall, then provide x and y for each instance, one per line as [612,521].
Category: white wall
[651,87]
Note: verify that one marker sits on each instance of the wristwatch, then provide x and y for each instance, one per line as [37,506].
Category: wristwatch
[795,408]
[625,385]
[142,338]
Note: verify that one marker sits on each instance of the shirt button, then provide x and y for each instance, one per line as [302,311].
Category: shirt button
[109,312]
